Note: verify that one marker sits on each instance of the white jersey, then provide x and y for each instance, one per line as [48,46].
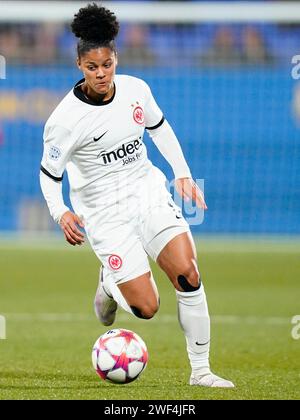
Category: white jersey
[127,211]
[100,144]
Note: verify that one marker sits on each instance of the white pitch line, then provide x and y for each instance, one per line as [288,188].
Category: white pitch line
[205,244]
[164,319]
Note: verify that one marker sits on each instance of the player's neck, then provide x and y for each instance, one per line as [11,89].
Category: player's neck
[96,97]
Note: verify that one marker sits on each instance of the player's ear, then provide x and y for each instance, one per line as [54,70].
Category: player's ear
[116,58]
[78,61]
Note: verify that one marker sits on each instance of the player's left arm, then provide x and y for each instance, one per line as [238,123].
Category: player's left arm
[167,143]
[189,190]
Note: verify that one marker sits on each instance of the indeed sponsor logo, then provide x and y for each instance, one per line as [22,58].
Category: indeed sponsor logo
[127,150]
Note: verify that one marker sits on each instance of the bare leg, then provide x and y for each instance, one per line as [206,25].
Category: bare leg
[141,295]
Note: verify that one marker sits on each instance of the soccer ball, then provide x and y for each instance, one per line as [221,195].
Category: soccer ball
[119,356]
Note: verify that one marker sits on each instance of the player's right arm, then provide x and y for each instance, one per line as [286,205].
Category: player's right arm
[58,146]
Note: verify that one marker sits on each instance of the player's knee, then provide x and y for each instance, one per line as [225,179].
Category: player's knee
[146,311]
[150,310]
[189,279]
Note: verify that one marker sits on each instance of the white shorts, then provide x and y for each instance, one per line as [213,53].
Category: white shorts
[123,235]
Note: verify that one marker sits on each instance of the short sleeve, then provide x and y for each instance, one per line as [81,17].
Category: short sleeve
[58,145]
[153,114]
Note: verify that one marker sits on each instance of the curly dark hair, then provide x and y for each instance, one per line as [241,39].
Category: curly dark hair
[96,27]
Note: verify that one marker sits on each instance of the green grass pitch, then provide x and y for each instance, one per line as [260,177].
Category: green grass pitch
[46,295]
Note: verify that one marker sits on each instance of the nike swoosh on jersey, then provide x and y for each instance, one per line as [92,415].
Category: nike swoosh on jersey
[97,139]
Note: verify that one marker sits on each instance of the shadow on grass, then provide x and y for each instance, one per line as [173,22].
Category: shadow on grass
[86,382]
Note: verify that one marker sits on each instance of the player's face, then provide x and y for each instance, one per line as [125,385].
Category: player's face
[99,69]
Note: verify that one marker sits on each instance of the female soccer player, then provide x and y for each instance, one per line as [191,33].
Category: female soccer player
[96,133]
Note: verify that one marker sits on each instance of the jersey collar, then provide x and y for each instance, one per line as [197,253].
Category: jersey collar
[81,96]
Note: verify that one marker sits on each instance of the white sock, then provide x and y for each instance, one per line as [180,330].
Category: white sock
[112,290]
[194,320]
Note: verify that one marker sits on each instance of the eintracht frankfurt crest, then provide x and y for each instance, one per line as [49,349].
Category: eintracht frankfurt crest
[115,262]
[138,115]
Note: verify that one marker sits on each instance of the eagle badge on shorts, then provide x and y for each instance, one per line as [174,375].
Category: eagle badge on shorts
[138,115]
[115,262]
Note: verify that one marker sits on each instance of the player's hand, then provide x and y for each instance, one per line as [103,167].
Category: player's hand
[189,190]
[69,225]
